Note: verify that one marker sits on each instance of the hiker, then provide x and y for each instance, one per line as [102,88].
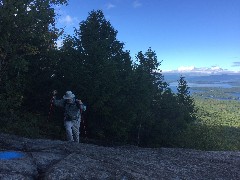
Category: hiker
[72,114]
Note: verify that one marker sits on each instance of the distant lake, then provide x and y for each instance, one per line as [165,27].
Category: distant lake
[174,85]
[235,94]
[222,85]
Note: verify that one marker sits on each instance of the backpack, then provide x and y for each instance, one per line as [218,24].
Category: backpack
[72,110]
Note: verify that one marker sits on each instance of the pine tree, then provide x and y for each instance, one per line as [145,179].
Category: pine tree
[184,98]
[107,69]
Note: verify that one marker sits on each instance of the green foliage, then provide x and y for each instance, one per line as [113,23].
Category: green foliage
[217,93]
[33,125]
[217,126]
[142,91]
[219,112]
[24,124]
[27,35]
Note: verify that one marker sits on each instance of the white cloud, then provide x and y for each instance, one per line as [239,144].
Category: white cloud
[64,18]
[215,68]
[110,6]
[201,70]
[186,68]
[137,4]
[207,70]
[68,20]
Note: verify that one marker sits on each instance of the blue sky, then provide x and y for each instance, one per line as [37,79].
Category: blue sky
[184,33]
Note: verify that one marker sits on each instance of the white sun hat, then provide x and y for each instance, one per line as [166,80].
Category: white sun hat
[69,95]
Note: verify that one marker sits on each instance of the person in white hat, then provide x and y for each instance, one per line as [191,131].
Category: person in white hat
[72,115]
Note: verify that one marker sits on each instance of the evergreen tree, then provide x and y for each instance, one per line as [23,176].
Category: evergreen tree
[168,119]
[27,34]
[145,87]
[185,100]
[107,68]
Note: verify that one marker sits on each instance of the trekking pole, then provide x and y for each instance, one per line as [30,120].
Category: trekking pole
[51,107]
[84,124]
[138,140]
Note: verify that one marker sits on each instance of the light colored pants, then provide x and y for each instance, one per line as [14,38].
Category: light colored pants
[72,130]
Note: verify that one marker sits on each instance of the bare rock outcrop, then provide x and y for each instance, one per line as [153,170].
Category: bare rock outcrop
[54,160]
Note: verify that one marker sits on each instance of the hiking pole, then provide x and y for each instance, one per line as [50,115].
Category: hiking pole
[50,109]
[138,140]
[51,105]
[84,124]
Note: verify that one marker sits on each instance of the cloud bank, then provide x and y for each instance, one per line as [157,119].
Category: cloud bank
[186,68]
[202,70]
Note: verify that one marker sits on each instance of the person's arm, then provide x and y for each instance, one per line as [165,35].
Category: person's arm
[81,105]
[59,103]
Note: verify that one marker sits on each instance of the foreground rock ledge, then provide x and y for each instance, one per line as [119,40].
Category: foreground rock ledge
[47,159]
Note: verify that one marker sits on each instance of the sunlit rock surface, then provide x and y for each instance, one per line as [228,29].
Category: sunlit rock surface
[47,159]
